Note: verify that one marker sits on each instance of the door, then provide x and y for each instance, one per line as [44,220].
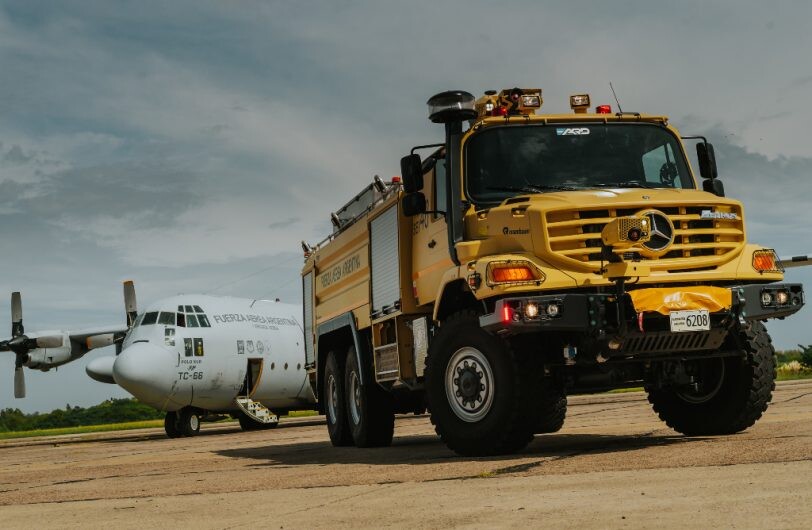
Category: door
[430,258]
[253,375]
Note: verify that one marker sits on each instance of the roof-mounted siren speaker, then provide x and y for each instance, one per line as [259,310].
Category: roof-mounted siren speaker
[451,106]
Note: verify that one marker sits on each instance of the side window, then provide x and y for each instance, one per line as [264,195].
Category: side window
[203,321]
[187,347]
[439,187]
[181,320]
[660,169]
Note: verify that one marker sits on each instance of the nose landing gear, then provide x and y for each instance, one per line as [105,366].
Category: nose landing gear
[185,422]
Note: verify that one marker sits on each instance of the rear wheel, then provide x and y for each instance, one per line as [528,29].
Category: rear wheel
[171,425]
[370,408]
[728,394]
[335,403]
[477,390]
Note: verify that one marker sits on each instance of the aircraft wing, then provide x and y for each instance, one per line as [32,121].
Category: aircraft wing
[97,337]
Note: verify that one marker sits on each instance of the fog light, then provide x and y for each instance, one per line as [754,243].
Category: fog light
[782,297]
[615,344]
[766,298]
[531,310]
[553,310]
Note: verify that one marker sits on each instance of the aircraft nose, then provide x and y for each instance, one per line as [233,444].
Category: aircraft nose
[146,372]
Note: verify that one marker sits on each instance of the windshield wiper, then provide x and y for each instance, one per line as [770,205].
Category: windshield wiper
[532,188]
[621,185]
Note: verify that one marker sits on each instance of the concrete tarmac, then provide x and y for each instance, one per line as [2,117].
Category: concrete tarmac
[614,465]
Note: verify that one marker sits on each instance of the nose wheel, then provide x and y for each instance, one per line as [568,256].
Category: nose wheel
[186,422]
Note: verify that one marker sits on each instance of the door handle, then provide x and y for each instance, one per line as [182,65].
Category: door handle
[432,243]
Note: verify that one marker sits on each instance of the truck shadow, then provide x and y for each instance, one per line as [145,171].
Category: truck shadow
[426,449]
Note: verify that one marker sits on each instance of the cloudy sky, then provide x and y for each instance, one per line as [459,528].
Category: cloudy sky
[191,145]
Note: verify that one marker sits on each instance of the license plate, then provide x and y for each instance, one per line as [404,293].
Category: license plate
[698,320]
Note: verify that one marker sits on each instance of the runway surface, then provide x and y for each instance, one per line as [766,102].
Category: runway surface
[613,465]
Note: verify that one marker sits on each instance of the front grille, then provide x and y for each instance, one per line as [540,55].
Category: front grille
[667,342]
[574,236]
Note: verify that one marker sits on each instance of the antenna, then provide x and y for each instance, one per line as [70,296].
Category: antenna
[620,110]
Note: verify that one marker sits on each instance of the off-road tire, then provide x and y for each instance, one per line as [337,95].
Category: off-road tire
[370,408]
[742,398]
[337,425]
[506,427]
[551,408]
[171,425]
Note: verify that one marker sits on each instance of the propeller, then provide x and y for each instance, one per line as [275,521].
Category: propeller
[131,308]
[21,344]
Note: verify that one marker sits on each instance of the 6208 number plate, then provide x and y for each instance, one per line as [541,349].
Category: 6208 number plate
[698,320]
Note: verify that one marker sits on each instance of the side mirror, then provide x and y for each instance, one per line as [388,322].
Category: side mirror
[414,204]
[411,170]
[714,186]
[707,161]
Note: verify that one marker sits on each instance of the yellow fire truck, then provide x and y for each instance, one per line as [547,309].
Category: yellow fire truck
[528,256]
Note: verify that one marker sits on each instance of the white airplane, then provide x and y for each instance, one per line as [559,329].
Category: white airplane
[195,355]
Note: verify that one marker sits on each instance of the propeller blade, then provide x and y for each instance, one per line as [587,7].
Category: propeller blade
[16,315]
[19,382]
[130,304]
[50,341]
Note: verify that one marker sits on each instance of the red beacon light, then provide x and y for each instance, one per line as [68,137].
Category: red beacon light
[396,179]
[603,109]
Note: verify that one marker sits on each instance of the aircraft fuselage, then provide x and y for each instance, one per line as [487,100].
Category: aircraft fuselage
[203,351]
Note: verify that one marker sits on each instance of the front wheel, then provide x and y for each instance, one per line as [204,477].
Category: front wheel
[171,425]
[477,393]
[189,422]
[370,408]
[727,395]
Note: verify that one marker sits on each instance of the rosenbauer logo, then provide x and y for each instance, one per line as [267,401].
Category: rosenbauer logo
[517,232]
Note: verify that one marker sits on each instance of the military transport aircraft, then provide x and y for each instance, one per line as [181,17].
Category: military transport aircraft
[191,356]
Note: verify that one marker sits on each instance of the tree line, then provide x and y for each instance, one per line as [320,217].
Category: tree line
[110,411]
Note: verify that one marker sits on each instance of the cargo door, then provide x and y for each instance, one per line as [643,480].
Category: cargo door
[430,257]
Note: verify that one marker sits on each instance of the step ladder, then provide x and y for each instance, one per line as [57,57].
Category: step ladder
[256,410]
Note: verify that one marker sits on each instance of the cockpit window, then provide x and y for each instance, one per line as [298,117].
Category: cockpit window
[150,318]
[138,320]
[166,317]
[193,317]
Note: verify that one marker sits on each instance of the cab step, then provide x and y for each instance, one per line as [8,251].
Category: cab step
[256,410]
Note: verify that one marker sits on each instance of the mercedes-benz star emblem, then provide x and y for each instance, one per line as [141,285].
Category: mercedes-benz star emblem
[661,230]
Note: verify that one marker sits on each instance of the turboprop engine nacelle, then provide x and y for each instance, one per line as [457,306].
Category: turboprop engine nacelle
[58,352]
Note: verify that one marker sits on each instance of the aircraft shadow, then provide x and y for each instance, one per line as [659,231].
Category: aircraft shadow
[423,449]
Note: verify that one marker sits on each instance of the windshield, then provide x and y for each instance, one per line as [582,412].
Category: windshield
[505,161]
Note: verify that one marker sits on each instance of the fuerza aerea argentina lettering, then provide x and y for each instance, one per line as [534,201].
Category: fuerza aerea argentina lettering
[256,319]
